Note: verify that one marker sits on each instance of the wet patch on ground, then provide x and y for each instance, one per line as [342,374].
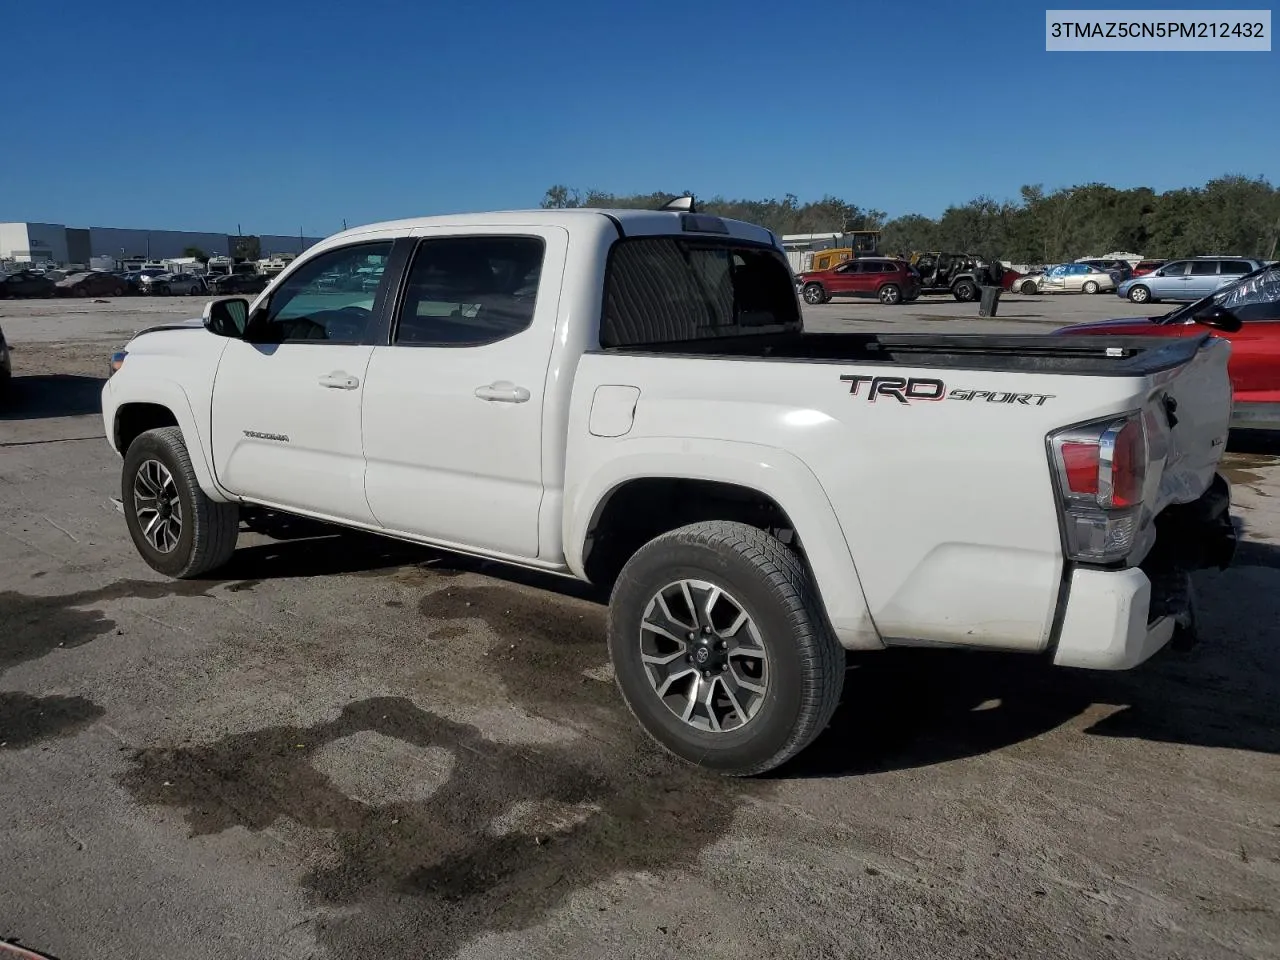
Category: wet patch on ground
[1247,469]
[545,645]
[35,626]
[25,719]
[505,836]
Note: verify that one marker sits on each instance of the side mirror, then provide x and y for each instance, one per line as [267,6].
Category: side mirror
[1219,317]
[227,318]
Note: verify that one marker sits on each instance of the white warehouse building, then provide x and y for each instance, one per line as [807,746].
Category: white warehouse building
[39,242]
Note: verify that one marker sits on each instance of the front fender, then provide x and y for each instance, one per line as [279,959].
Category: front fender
[119,391]
[777,474]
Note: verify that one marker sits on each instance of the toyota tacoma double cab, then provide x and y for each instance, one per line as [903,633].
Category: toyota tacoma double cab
[629,398]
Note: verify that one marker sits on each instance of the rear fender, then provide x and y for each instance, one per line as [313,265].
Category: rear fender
[777,474]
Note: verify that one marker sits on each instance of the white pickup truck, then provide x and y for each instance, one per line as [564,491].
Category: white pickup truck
[629,398]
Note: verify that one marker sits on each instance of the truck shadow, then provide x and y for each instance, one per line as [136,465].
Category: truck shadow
[915,708]
[901,708]
[1262,442]
[44,396]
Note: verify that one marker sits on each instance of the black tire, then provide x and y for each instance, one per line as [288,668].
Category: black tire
[1028,288]
[771,585]
[1140,294]
[964,291]
[814,294]
[889,294]
[209,529]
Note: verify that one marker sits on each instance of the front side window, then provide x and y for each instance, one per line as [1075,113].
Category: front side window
[671,289]
[328,299]
[470,291]
[1178,269]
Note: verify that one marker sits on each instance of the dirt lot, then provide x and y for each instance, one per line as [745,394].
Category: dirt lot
[346,747]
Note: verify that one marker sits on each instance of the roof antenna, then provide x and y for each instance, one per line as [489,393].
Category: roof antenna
[683,204]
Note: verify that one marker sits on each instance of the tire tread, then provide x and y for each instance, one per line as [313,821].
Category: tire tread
[821,656]
[215,526]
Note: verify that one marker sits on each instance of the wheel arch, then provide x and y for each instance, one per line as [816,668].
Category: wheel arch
[165,404]
[654,485]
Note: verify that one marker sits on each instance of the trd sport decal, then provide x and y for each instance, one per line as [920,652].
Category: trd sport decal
[910,389]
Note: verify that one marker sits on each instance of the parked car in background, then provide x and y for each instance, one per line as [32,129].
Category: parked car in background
[1075,278]
[173,285]
[238,283]
[1118,270]
[1143,267]
[1188,279]
[26,283]
[1254,365]
[889,281]
[955,273]
[1027,283]
[91,284]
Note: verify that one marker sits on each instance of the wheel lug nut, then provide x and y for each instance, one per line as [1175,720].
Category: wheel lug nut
[723,645]
[706,674]
[693,636]
[689,658]
[706,629]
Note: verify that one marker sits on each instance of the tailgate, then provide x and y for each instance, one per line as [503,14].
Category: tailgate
[1187,419]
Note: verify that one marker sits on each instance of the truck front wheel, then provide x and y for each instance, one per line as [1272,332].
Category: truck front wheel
[721,647]
[176,528]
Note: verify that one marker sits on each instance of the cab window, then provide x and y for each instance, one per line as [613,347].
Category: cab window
[329,299]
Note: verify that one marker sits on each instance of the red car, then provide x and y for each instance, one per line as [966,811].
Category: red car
[1143,267]
[888,280]
[1246,312]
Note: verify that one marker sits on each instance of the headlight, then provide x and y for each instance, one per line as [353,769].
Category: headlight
[117,361]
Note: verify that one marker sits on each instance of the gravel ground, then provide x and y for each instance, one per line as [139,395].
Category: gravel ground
[343,747]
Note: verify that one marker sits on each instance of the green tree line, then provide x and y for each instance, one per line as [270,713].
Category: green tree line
[1232,214]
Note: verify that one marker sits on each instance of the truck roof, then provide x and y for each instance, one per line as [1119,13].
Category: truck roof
[632,222]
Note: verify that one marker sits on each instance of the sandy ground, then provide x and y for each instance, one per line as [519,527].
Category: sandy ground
[346,747]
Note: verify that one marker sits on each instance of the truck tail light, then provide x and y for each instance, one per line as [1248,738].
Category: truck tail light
[1100,469]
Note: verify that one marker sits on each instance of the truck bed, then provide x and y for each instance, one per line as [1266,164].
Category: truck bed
[1099,356]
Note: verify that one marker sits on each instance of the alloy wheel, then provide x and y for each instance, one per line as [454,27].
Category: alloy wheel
[704,656]
[157,505]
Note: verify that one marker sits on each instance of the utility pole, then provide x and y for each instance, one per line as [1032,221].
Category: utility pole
[1275,235]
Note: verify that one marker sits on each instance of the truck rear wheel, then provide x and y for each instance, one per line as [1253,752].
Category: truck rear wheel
[721,647]
[964,291]
[178,530]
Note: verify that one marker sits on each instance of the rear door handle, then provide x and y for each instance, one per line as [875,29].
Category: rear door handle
[339,381]
[502,391]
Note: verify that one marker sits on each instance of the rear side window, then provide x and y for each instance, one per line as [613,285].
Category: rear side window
[1236,267]
[1204,268]
[673,289]
[470,291]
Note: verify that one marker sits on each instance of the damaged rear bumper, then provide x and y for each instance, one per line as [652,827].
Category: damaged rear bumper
[1116,619]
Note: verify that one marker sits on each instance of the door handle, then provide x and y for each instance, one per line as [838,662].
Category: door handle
[339,381]
[502,391]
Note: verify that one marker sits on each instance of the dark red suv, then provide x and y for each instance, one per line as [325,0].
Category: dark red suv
[886,279]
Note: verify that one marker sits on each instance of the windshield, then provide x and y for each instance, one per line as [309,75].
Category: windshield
[1261,284]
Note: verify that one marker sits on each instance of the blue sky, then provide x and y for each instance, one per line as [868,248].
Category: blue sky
[295,115]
